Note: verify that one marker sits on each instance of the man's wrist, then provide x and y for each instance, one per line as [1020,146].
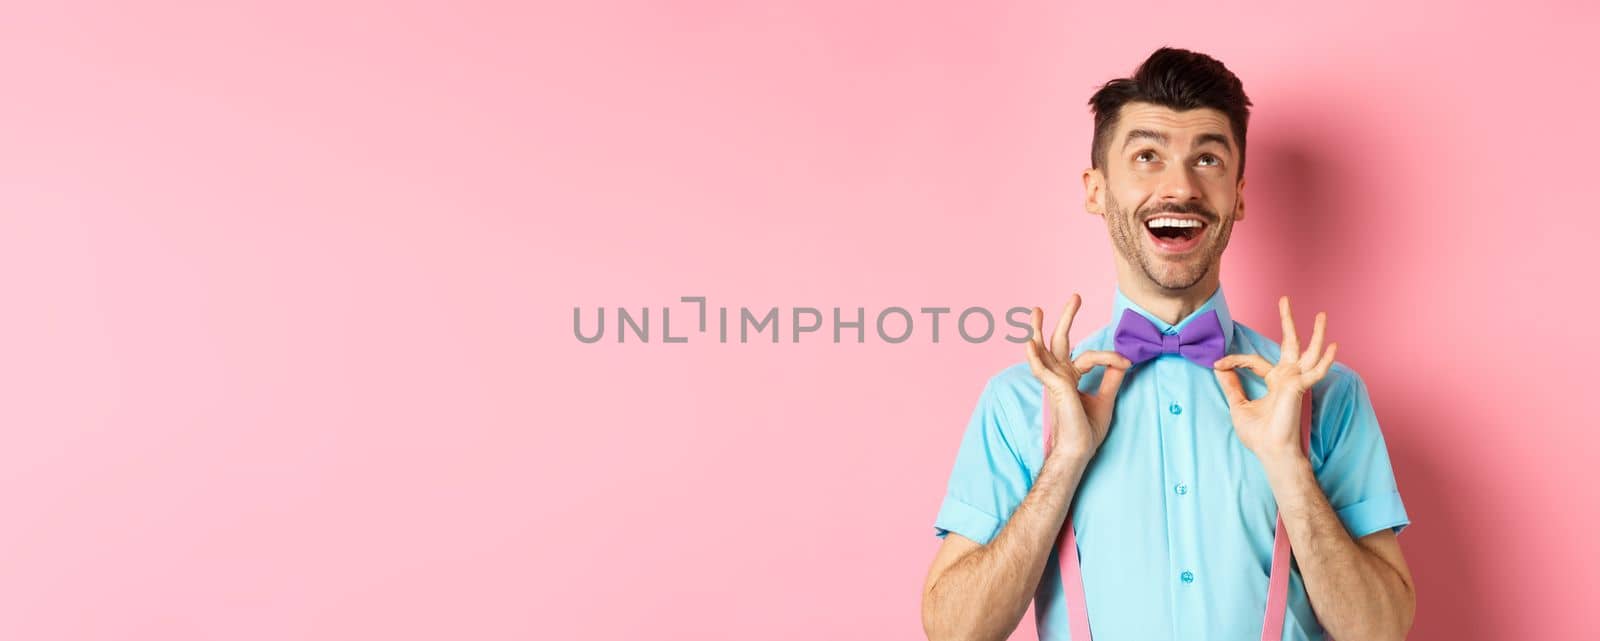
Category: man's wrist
[1284,464]
[1065,460]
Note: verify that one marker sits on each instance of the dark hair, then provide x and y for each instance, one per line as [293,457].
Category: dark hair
[1178,79]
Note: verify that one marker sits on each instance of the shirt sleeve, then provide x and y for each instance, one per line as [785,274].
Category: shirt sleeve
[1354,469]
[990,477]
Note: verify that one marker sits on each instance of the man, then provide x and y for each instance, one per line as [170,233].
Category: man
[1174,499]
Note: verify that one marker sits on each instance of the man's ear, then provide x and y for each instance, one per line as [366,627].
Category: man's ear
[1094,191]
[1238,206]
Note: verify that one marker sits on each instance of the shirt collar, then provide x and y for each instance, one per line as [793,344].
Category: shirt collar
[1217,302]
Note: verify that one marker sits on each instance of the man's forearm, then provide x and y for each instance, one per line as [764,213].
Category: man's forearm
[1355,593]
[984,595]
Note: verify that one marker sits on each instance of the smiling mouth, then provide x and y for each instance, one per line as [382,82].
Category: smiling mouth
[1175,234]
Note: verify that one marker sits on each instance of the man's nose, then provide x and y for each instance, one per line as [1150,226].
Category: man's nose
[1178,183]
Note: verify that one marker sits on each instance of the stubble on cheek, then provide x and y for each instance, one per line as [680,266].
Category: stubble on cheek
[1123,233]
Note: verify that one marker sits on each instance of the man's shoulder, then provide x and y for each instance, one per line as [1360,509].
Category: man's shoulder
[1013,383]
[1015,391]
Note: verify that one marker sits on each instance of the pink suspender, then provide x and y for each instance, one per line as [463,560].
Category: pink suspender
[1072,574]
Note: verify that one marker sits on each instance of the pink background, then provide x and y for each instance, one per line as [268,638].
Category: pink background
[287,346]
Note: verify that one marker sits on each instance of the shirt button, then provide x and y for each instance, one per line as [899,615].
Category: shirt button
[1175,408]
[1187,576]
[1180,489]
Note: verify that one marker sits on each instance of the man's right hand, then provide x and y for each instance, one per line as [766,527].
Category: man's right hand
[1082,421]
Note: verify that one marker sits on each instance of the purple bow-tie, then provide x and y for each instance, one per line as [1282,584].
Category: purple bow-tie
[1201,341]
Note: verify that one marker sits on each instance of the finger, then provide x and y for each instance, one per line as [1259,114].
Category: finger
[1291,343]
[1110,382]
[1087,360]
[1059,343]
[1323,366]
[1310,356]
[1036,318]
[1035,363]
[1252,362]
[1049,360]
[1231,387]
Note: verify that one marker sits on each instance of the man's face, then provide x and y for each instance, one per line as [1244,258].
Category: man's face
[1169,191]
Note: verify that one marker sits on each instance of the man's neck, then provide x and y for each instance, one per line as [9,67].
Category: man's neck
[1170,305]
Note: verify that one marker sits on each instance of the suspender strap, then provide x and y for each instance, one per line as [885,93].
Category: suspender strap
[1072,573]
[1278,582]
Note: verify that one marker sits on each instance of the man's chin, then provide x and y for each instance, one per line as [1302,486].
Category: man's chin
[1176,275]
[1170,265]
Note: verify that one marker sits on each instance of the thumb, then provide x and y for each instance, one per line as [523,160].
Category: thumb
[1231,387]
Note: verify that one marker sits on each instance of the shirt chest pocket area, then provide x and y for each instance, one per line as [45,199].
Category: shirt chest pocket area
[1253,498]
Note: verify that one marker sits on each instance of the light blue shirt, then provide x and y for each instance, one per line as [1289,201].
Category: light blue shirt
[1174,516]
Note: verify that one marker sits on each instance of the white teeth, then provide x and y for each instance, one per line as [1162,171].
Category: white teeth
[1172,222]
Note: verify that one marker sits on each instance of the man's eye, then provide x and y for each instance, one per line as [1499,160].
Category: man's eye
[1209,160]
[1145,156]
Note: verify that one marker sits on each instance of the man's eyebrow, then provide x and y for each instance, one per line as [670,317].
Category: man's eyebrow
[1134,134]
[1213,137]
[1163,138]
